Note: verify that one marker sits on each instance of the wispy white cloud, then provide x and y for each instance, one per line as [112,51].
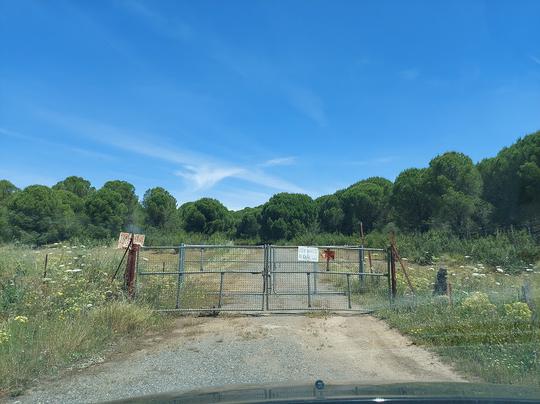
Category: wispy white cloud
[279,161]
[14,134]
[201,170]
[35,139]
[24,178]
[535,59]
[204,177]
[255,69]
[409,74]
[165,26]
[308,103]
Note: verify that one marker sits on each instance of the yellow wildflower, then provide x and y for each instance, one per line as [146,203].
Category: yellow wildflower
[21,319]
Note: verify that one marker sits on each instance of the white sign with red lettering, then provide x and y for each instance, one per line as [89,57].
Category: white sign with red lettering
[308,254]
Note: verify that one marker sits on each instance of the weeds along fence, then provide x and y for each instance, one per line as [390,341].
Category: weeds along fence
[256,278]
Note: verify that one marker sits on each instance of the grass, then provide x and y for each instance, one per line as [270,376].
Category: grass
[74,313]
[487,332]
[71,315]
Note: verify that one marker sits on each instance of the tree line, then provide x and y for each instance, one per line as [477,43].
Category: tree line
[451,194]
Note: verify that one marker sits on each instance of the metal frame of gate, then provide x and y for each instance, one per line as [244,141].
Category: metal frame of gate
[192,278]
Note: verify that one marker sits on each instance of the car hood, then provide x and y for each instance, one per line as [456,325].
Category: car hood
[393,392]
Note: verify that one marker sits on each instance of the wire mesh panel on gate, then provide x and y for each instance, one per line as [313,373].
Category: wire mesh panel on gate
[157,276]
[202,277]
[248,278]
[342,278]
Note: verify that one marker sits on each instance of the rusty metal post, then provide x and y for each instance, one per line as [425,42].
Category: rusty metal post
[45,268]
[129,275]
[393,272]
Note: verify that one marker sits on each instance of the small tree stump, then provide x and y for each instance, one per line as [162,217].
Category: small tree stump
[440,287]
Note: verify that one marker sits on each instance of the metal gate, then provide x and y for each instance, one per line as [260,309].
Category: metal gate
[262,278]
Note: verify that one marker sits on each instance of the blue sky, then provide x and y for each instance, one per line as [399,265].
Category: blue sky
[238,100]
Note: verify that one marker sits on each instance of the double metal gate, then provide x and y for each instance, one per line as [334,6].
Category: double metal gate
[262,278]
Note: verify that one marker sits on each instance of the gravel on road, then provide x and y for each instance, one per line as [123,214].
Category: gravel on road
[227,350]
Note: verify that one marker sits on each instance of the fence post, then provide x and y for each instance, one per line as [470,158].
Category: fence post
[388,275]
[129,276]
[221,275]
[266,284]
[361,266]
[308,289]
[180,274]
[202,259]
[272,268]
[349,290]
[315,270]
[393,273]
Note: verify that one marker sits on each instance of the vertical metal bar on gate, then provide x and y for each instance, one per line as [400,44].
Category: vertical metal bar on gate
[349,289]
[361,266]
[308,289]
[315,270]
[202,259]
[273,268]
[266,275]
[221,275]
[180,274]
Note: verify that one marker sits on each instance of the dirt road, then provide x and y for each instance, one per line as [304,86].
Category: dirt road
[203,352]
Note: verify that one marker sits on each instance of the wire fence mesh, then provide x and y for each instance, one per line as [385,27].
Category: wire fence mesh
[254,278]
[342,278]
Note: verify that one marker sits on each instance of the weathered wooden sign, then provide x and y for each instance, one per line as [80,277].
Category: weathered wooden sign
[123,239]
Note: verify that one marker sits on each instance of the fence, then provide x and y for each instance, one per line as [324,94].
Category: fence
[257,278]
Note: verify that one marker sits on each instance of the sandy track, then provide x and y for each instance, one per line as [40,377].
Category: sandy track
[204,352]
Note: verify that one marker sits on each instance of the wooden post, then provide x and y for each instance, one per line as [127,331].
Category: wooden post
[396,255]
[45,267]
[393,278]
[129,275]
